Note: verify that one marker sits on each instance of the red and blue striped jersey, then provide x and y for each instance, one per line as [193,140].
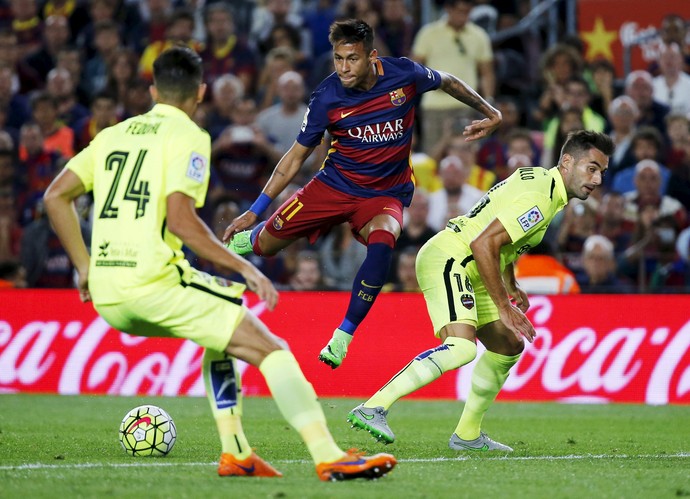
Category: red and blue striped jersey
[371,130]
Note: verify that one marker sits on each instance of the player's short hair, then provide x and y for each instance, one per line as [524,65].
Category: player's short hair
[581,141]
[352,31]
[177,73]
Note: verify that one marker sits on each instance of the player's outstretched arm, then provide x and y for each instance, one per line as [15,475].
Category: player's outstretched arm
[514,290]
[461,91]
[486,249]
[184,222]
[284,172]
[59,205]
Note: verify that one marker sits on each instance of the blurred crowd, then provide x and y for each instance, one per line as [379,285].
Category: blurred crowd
[70,68]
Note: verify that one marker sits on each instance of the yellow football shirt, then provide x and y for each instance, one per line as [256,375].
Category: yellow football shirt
[525,203]
[132,168]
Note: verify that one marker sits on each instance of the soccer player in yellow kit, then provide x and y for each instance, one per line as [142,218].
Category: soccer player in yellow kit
[148,175]
[466,274]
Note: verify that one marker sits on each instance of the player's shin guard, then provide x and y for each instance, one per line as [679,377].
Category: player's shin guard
[298,404]
[488,378]
[423,369]
[370,278]
[224,392]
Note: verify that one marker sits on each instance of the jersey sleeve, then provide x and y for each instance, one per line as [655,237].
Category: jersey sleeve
[189,167]
[426,78]
[526,213]
[315,121]
[83,165]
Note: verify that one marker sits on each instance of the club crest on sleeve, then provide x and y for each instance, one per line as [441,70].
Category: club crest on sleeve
[197,167]
[278,223]
[530,218]
[467,301]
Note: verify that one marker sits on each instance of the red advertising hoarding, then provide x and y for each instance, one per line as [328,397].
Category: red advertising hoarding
[590,348]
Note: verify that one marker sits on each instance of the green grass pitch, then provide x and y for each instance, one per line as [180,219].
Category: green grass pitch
[67,447]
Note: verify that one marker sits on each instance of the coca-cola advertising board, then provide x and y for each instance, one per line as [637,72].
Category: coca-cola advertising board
[589,348]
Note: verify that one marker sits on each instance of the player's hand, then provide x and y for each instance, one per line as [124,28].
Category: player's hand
[480,129]
[244,221]
[515,320]
[83,286]
[520,298]
[261,285]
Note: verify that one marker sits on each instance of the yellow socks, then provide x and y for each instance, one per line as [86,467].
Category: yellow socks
[224,392]
[423,369]
[298,404]
[488,378]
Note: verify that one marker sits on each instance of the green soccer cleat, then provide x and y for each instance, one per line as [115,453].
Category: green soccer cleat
[480,444]
[241,243]
[372,420]
[336,350]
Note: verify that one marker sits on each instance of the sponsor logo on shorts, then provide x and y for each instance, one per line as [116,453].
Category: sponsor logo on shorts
[530,218]
[278,223]
[467,301]
[398,97]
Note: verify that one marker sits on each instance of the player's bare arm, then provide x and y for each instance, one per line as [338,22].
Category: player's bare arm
[59,205]
[458,89]
[284,172]
[486,249]
[514,290]
[184,222]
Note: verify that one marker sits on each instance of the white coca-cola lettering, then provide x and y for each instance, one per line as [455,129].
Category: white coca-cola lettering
[73,370]
[26,357]
[659,386]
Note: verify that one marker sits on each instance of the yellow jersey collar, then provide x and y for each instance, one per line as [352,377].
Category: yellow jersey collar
[560,193]
[168,110]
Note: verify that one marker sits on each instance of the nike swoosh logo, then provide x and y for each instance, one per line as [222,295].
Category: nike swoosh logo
[345,115]
[246,469]
[356,463]
[369,286]
[366,416]
[387,208]
[145,419]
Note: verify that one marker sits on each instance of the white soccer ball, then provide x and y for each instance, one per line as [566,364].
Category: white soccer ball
[147,430]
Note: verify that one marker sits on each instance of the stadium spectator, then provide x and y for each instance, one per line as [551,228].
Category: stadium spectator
[27,79]
[225,52]
[679,182]
[274,13]
[559,64]
[598,274]
[520,151]
[205,310]
[492,151]
[453,143]
[612,222]
[10,229]
[603,87]
[456,197]
[678,127]
[242,156]
[568,120]
[122,71]
[455,45]
[405,278]
[56,35]
[56,136]
[15,105]
[672,86]
[280,121]
[12,275]
[639,86]
[103,114]
[647,144]
[342,256]
[622,116]
[317,18]
[27,25]
[366,178]
[308,274]
[62,89]
[70,58]
[539,272]
[76,14]
[224,93]
[285,35]
[415,231]
[106,40]
[100,11]
[137,99]
[279,61]
[467,275]
[396,28]
[673,29]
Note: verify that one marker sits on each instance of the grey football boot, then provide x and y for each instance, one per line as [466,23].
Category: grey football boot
[372,420]
[480,444]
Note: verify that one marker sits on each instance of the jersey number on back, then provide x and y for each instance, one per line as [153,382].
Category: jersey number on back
[137,190]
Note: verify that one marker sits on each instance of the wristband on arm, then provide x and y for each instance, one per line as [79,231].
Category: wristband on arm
[260,205]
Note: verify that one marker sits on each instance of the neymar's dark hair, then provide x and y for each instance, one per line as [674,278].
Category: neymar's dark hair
[177,73]
[581,141]
[352,31]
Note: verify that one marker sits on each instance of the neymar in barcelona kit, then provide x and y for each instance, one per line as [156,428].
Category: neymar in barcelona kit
[368,107]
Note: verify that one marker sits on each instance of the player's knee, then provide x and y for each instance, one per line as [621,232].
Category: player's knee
[455,353]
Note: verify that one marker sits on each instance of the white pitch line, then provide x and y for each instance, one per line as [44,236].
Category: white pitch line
[142,463]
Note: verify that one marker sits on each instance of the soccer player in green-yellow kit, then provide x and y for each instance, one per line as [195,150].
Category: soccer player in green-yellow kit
[466,274]
[148,175]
